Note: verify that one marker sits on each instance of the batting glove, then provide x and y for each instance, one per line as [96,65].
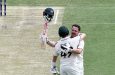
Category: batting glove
[66,49]
[43,38]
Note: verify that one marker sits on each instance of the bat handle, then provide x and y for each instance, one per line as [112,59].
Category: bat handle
[46,28]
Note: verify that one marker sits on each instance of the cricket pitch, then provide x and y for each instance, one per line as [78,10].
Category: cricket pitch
[20,51]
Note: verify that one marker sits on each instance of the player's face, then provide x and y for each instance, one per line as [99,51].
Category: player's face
[75,31]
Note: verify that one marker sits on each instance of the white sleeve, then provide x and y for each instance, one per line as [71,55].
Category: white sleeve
[81,44]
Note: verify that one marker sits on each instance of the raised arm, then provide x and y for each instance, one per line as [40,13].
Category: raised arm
[51,43]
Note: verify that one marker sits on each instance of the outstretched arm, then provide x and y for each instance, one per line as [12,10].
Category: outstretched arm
[51,43]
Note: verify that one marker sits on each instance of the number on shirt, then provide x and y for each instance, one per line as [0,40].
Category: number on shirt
[65,55]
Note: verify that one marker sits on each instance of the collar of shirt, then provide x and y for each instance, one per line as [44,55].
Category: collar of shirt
[65,38]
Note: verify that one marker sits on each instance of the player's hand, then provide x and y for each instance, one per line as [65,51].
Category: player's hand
[43,37]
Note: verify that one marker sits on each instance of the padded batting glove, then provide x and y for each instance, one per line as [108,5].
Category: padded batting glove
[43,38]
[66,49]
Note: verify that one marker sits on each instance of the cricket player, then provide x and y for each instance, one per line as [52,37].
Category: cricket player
[79,50]
[68,51]
[48,15]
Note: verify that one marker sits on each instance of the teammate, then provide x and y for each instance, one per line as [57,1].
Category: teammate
[75,32]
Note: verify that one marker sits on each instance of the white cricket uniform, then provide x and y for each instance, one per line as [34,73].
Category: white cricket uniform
[80,59]
[70,63]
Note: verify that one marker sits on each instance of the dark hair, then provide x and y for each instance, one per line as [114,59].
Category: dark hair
[76,25]
[63,31]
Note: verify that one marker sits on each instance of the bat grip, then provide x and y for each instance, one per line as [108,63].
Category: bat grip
[45,28]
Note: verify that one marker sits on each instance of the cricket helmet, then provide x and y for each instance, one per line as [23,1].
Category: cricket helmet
[63,31]
[48,13]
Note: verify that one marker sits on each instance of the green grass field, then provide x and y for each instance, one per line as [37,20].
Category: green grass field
[96,18]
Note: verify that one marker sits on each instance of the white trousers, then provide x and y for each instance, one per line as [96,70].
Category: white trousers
[68,70]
